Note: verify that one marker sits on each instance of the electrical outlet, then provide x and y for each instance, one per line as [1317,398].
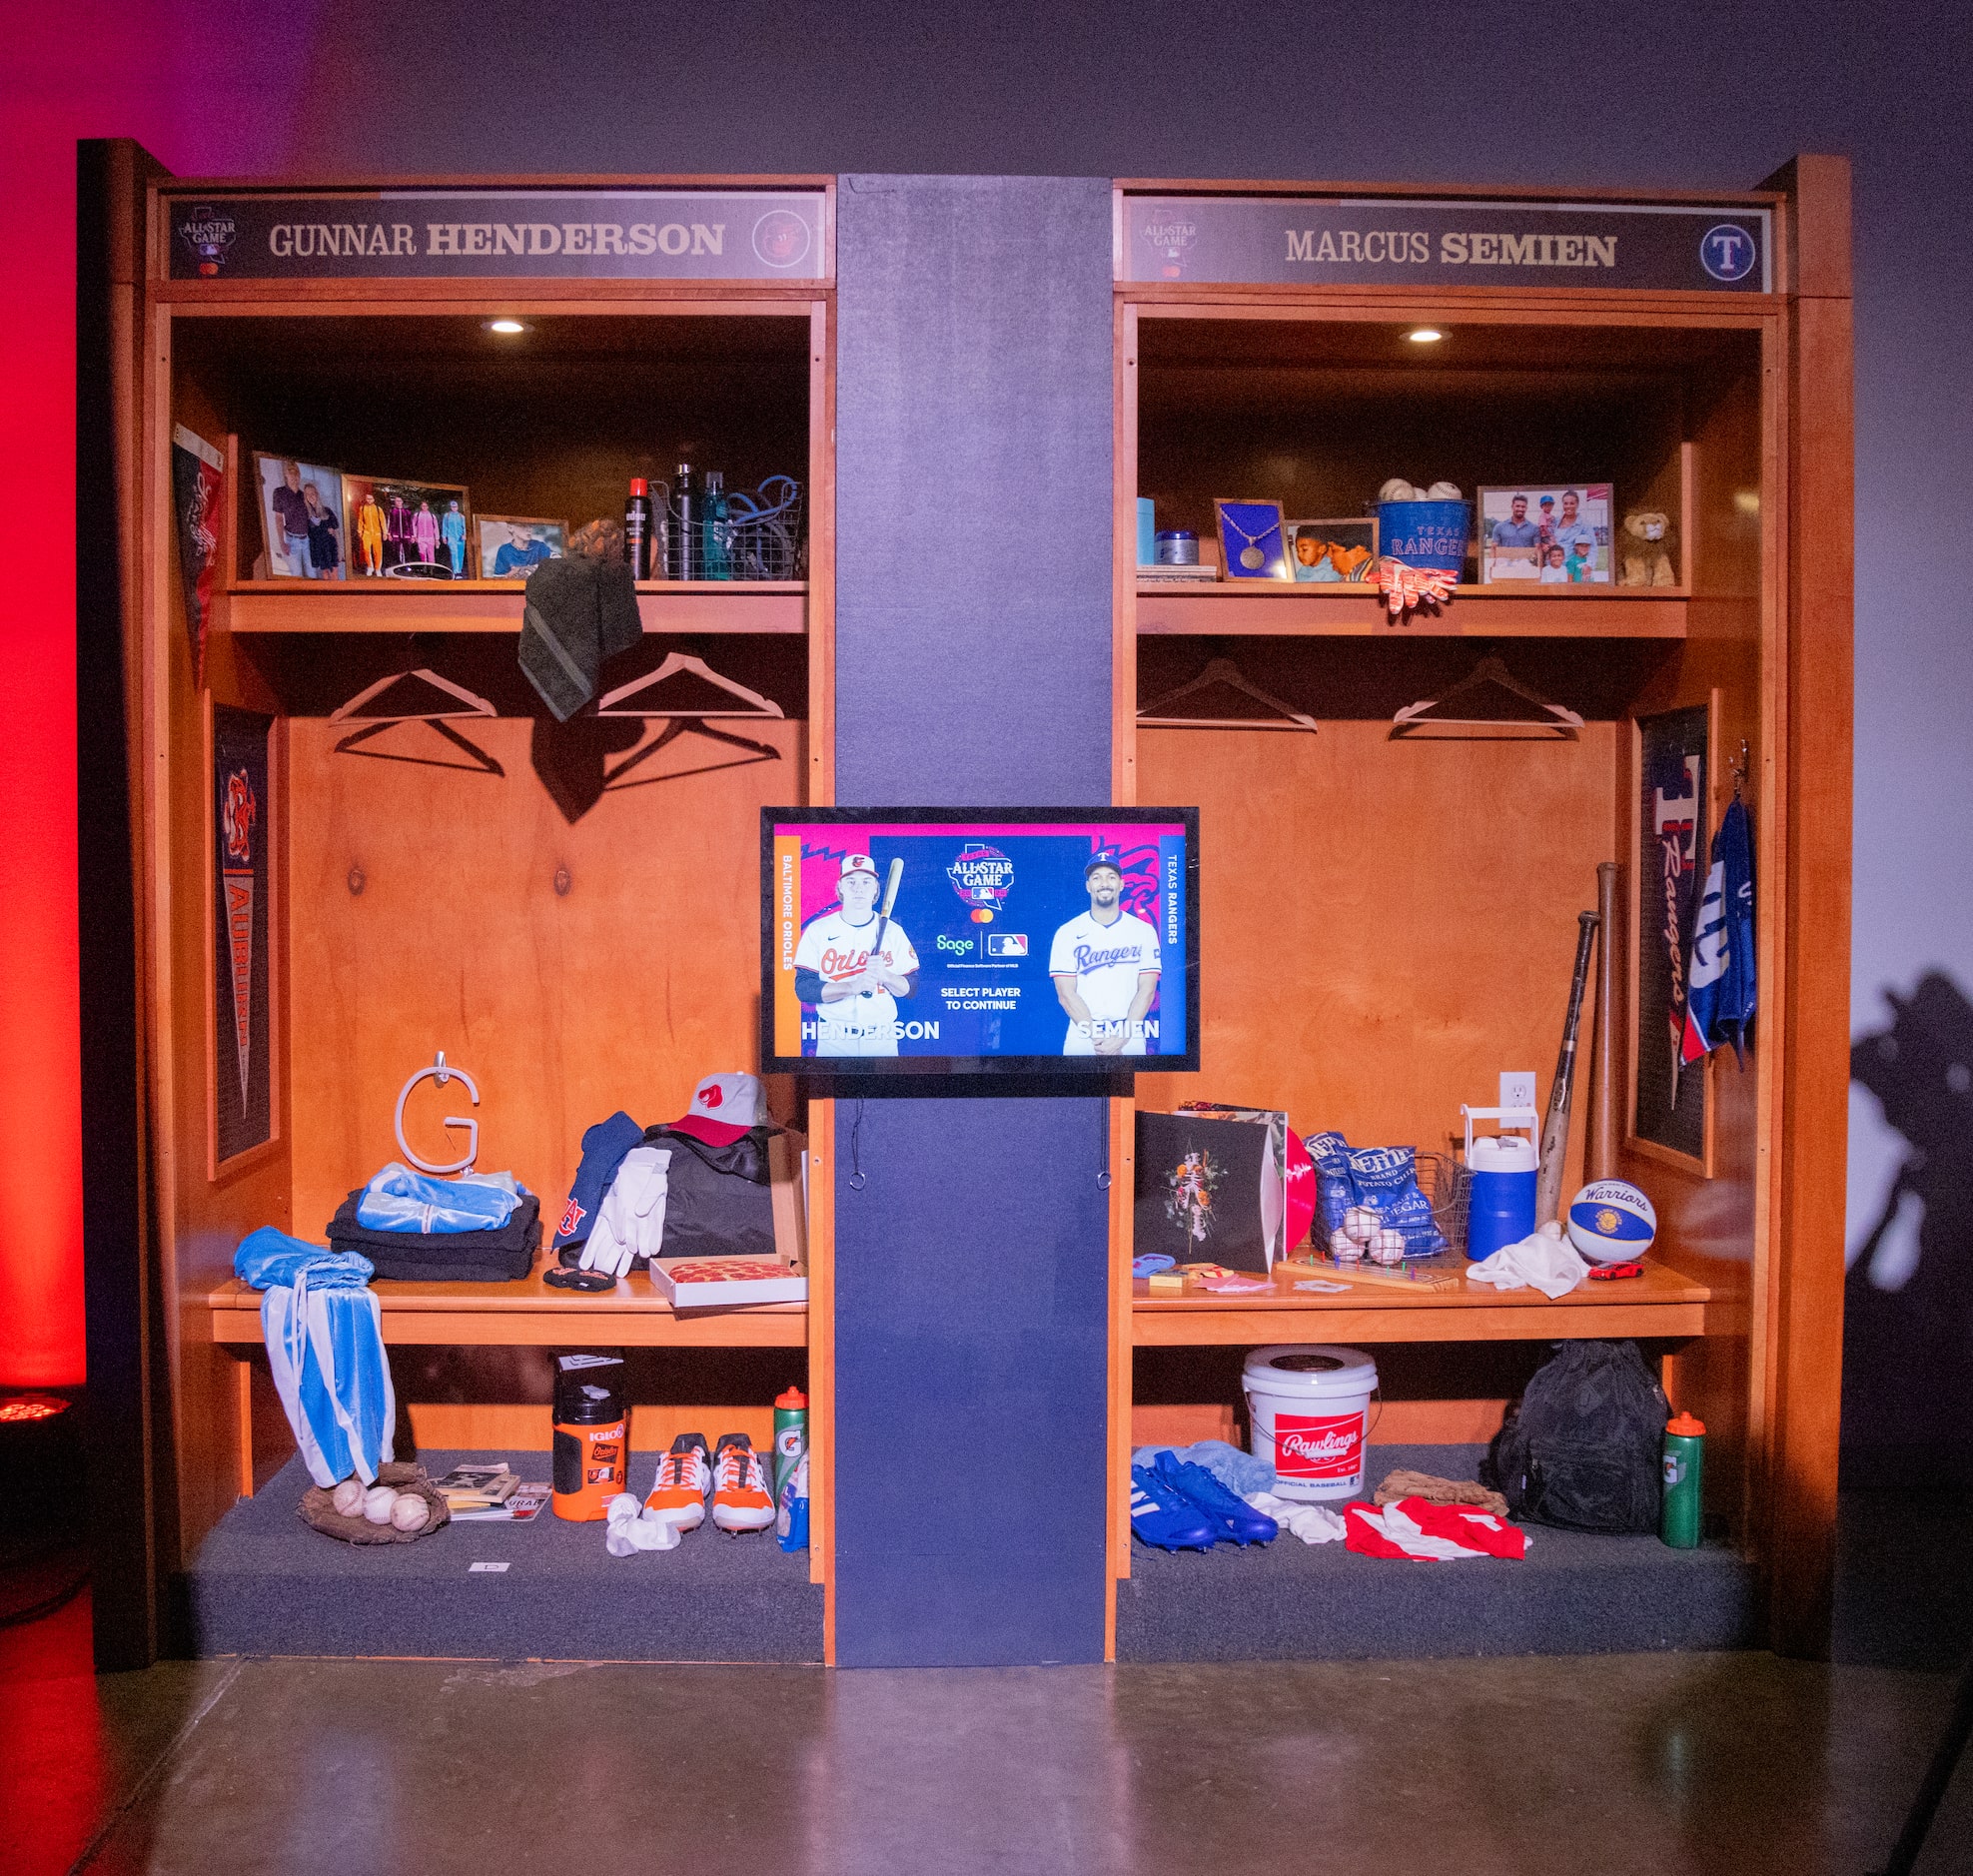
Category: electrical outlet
[1516,1087]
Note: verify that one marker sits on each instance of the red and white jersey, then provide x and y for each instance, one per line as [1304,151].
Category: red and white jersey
[1424,1533]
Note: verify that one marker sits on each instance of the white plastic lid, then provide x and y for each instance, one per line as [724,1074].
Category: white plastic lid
[1312,1368]
[1502,1152]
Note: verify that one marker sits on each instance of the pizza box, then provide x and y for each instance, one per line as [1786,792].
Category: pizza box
[726,1283]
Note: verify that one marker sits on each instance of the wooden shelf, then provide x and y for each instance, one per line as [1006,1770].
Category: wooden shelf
[1344,610]
[1661,1303]
[528,1313]
[495,605]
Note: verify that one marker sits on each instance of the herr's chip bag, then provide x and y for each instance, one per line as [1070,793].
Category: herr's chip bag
[1381,1178]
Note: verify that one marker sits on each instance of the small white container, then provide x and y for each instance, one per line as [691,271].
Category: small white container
[1308,1405]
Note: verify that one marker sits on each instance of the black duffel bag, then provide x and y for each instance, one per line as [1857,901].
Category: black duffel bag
[1583,1448]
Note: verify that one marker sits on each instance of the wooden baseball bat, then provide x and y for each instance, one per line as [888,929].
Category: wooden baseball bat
[1555,1130]
[1600,1160]
[891,879]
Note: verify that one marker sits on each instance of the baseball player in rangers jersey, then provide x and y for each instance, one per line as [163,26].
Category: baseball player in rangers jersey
[854,994]
[1105,963]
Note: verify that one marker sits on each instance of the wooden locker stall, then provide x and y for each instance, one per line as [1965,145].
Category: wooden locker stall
[1388,924]
[568,911]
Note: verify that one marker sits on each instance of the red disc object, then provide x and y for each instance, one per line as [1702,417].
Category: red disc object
[982,916]
[1301,1189]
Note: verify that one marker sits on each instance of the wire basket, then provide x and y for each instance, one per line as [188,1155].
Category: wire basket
[1447,1186]
[765,536]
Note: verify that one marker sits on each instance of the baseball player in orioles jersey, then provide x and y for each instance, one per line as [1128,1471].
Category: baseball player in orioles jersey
[854,994]
[1106,964]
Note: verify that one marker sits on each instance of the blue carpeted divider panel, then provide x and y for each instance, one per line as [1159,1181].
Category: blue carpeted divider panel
[973,541]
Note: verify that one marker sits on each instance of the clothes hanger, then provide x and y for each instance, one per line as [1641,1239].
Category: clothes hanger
[1223,672]
[613,781]
[475,705]
[675,663]
[1559,721]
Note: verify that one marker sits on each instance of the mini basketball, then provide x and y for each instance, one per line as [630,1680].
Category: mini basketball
[1611,1220]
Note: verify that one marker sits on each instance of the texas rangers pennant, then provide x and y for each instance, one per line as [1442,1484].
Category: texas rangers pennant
[242,1092]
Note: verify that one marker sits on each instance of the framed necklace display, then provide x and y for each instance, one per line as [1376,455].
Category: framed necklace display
[1251,541]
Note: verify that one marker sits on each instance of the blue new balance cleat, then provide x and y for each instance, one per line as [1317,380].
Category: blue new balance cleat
[1163,1516]
[1230,1515]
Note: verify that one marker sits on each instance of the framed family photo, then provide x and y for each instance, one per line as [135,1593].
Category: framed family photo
[1332,551]
[301,518]
[1548,534]
[509,547]
[402,529]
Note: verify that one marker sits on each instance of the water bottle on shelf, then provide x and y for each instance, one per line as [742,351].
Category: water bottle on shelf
[1501,1173]
[1682,1517]
[719,529]
[684,551]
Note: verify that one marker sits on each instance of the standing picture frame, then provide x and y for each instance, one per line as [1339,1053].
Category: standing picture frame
[1253,544]
[403,528]
[508,546]
[1669,1108]
[1556,534]
[1330,552]
[302,532]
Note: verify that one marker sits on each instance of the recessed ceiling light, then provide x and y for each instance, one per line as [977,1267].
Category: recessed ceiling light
[1424,335]
[506,325]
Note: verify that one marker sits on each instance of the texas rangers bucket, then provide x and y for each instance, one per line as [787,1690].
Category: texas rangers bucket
[1309,1407]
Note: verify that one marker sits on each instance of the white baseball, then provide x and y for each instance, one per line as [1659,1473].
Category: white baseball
[377,1503]
[1396,490]
[1360,1221]
[1387,1246]
[348,1496]
[1344,1248]
[1443,492]
[409,1511]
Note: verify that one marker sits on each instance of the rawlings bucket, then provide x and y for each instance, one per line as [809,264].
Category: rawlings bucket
[1309,1408]
[1425,533]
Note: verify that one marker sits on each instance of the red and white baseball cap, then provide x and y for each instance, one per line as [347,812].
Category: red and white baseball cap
[723,1108]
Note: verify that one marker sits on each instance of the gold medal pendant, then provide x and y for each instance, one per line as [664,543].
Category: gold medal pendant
[1251,556]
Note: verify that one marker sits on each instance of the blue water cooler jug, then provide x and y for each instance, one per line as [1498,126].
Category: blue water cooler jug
[1501,1208]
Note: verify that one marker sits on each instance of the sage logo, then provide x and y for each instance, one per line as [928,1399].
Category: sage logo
[955,947]
[1728,253]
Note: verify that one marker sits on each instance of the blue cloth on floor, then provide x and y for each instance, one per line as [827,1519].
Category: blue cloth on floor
[324,1345]
[1239,1472]
[397,1199]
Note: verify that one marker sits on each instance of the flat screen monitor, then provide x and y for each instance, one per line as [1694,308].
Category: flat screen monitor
[1043,941]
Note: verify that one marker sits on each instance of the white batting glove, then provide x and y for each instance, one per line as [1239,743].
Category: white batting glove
[631,1222]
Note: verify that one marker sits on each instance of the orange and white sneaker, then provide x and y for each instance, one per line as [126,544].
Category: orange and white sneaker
[741,1498]
[684,1477]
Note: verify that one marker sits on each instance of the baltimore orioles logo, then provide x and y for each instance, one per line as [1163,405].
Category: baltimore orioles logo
[237,816]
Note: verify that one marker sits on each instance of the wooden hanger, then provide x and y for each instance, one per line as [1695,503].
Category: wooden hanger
[1223,672]
[474,705]
[675,663]
[1556,721]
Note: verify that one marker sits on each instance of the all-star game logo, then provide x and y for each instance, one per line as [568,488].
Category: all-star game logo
[239,811]
[1171,233]
[209,232]
[981,876]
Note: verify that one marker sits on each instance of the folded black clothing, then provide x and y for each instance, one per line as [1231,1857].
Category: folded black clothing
[444,1257]
[578,613]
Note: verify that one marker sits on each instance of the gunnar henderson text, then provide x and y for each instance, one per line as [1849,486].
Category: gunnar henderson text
[303,241]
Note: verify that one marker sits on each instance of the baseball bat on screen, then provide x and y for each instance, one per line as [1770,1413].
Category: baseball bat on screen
[1555,1130]
[1601,1160]
[891,879]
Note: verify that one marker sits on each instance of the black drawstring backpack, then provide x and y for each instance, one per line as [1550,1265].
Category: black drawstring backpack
[1583,1448]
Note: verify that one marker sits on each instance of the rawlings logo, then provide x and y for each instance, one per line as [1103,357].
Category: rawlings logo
[237,816]
[981,875]
[1330,1447]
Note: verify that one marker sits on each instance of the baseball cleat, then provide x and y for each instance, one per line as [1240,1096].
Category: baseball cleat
[684,1477]
[1230,1514]
[741,1498]
[1163,1516]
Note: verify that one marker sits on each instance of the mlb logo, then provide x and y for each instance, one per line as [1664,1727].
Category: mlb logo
[1007,944]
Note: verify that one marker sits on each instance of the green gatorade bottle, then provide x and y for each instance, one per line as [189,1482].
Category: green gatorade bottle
[1683,1512]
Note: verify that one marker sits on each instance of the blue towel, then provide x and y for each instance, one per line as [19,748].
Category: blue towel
[325,1343]
[397,1199]
[603,1148]
[1239,1472]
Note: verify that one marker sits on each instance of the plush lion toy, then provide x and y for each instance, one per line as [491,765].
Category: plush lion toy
[1647,548]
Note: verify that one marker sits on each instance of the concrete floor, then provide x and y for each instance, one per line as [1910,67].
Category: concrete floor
[1733,1765]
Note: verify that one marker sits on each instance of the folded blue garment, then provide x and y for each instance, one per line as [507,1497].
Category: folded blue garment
[268,1256]
[398,1199]
[1237,1470]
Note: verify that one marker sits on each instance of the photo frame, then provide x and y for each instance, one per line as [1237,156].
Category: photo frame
[508,546]
[403,529]
[301,504]
[1554,534]
[1674,762]
[1252,545]
[244,924]
[1327,553]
